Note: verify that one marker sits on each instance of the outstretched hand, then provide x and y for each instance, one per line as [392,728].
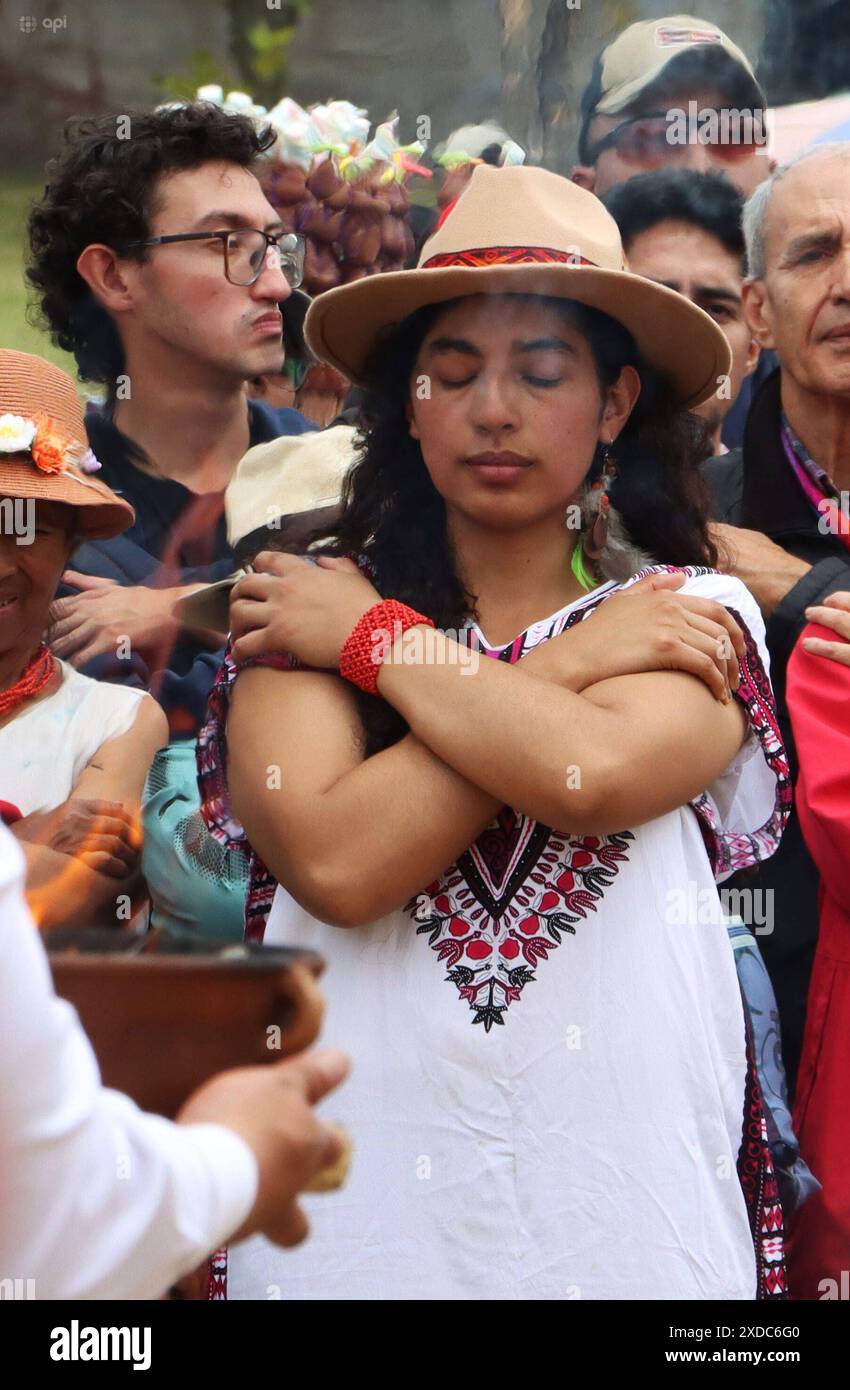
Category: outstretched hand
[104,614]
[271,1107]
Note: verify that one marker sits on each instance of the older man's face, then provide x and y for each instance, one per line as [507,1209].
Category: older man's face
[802,305]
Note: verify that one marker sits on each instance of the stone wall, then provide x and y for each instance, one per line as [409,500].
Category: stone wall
[98,55]
[439,59]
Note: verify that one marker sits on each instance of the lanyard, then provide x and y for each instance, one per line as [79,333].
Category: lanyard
[837,521]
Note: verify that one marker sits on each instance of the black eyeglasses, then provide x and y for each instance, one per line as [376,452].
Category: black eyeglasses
[247,252]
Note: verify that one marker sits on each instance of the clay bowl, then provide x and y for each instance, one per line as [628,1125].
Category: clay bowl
[163,1017]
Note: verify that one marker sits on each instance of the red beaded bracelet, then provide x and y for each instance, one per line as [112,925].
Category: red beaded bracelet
[370,641]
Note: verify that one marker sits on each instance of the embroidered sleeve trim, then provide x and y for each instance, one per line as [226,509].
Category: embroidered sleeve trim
[727,851]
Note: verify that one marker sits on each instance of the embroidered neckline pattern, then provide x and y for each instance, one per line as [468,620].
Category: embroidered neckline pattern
[492,945]
[505,905]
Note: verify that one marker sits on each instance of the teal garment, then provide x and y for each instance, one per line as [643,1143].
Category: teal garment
[196,886]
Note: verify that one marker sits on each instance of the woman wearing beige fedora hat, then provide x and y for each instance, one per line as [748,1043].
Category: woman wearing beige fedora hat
[496,778]
[73,752]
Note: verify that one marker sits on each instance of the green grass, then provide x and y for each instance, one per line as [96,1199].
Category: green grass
[16,195]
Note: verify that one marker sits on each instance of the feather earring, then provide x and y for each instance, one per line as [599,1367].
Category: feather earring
[606,542]
[595,541]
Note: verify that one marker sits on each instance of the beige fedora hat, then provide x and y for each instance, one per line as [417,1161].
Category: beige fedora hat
[280,491]
[522,230]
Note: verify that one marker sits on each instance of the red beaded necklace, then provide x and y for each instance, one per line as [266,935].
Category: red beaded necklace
[34,679]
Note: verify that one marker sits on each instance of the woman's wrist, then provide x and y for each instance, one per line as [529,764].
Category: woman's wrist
[422,644]
[566,661]
[374,639]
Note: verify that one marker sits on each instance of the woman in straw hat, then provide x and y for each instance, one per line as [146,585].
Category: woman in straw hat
[73,752]
[494,776]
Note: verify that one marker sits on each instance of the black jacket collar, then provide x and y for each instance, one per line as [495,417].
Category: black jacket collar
[772,501]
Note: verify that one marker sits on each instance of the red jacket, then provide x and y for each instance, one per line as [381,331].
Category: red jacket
[818,694]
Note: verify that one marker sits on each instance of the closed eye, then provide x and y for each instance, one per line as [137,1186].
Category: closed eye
[455,385]
[452,384]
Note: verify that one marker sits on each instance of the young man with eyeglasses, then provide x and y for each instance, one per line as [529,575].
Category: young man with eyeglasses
[672,91]
[160,264]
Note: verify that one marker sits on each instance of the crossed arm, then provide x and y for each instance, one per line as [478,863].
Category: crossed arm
[352,839]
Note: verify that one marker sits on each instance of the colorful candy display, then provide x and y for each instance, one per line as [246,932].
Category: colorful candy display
[345,194]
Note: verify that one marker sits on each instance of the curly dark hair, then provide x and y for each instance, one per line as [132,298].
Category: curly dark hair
[103,188]
[393,514]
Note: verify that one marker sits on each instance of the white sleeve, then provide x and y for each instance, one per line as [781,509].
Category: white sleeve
[744,811]
[117,708]
[100,1200]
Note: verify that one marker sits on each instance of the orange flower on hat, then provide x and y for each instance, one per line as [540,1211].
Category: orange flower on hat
[49,448]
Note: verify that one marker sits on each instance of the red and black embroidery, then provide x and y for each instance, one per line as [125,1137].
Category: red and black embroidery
[499,911]
[216,1285]
[761,1191]
[730,850]
[506,255]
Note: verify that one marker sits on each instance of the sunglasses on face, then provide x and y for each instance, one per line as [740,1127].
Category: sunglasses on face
[645,140]
[247,252]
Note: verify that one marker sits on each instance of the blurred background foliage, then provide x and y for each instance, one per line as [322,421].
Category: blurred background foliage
[259,56]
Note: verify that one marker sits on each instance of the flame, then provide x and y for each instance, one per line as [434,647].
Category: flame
[71,885]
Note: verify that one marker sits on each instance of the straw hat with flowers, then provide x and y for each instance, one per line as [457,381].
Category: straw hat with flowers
[44,451]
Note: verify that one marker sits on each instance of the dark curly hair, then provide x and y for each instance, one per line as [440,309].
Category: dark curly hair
[394,516]
[103,188]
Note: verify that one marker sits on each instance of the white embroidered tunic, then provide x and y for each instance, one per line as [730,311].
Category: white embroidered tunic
[548,1088]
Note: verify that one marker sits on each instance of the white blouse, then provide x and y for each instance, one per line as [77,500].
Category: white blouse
[46,747]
